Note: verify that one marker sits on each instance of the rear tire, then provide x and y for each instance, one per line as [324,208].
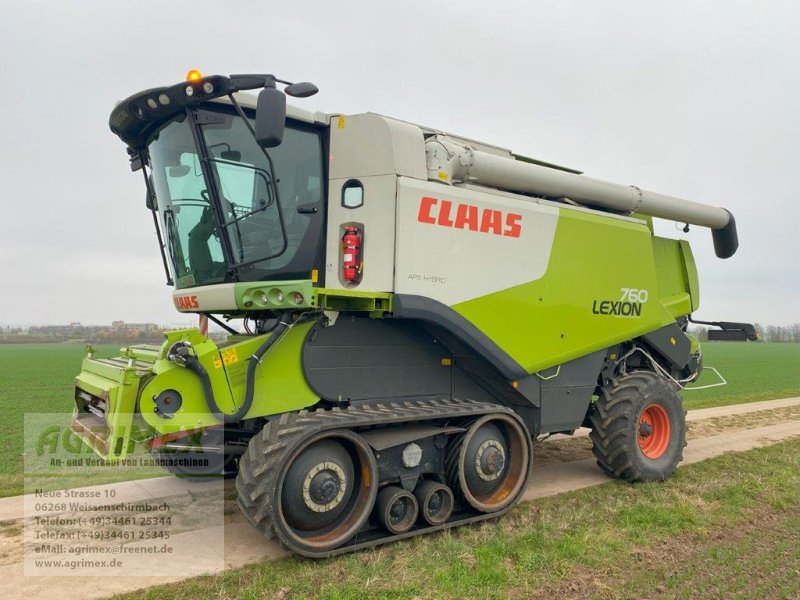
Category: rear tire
[639,428]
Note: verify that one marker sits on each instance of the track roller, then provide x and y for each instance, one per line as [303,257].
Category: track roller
[397,509]
[435,502]
[490,463]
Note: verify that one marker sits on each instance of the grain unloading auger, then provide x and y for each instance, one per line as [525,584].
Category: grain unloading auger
[413,306]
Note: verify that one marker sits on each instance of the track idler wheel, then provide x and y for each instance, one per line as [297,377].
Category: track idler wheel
[490,463]
[326,491]
[435,502]
[397,509]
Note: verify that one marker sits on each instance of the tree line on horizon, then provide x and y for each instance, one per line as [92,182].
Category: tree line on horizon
[151,333]
[767,333]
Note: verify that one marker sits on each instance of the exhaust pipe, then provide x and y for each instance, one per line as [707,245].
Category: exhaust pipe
[451,162]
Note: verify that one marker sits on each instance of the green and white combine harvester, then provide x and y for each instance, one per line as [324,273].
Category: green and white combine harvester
[412,309]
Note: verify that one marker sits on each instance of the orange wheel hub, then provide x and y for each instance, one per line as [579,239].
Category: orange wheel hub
[654,431]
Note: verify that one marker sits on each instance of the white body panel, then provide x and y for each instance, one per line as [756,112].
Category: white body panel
[373,150]
[453,264]
[376,216]
[205,298]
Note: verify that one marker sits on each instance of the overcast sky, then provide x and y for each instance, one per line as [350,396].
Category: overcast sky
[694,99]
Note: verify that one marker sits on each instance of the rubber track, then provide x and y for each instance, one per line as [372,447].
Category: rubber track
[269,449]
[452,457]
[612,420]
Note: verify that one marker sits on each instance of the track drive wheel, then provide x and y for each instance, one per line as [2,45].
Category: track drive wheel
[489,465]
[315,493]
[639,428]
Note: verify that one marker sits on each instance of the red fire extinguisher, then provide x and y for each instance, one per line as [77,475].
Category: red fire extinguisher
[351,253]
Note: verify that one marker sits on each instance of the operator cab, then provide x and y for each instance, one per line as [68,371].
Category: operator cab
[228,208]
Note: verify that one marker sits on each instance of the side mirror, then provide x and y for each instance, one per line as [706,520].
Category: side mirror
[180,171]
[270,117]
[302,89]
[150,201]
[232,155]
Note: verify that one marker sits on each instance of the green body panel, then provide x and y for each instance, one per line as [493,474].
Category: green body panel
[262,295]
[673,288]
[690,271]
[280,387]
[169,376]
[116,381]
[694,348]
[375,303]
[280,384]
[279,380]
[593,260]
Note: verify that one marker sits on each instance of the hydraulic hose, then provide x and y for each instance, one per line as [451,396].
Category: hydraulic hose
[284,322]
[191,362]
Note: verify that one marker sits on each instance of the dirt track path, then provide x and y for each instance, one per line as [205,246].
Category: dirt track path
[701,414]
[243,545]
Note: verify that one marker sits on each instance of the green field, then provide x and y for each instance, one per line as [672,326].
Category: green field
[754,371]
[39,378]
[34,378]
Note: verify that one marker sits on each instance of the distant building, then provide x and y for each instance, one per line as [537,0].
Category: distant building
[143,327]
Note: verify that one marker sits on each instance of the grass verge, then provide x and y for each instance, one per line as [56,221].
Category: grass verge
[761,559]
[588,543]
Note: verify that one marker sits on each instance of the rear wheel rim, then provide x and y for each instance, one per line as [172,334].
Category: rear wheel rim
[654,431]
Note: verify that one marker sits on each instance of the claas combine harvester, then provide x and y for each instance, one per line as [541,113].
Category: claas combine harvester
[407,310]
